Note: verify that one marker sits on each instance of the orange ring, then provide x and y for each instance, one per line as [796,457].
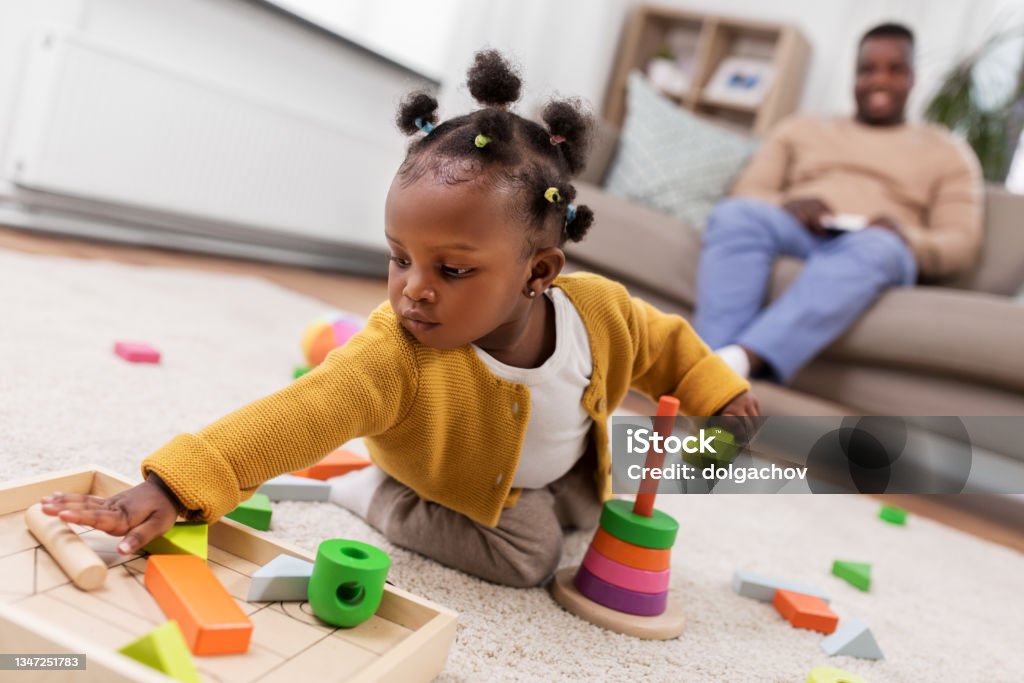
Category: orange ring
[648,559]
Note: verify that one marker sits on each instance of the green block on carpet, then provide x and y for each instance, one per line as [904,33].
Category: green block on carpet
[893,514]
[657,531]
[300,371]
[184,538]
[855,573]
[254,512]
[164,649]
[725,447]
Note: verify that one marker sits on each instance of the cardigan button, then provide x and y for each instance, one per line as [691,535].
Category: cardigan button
[498,479]
[600,406]
[515,408]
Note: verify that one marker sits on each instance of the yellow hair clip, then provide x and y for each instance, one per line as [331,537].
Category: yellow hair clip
[481,140]
[551,194]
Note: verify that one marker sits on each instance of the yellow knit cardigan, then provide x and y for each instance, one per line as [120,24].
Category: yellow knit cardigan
[438,420]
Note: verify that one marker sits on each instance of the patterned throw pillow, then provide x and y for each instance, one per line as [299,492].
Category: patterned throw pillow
[671,160]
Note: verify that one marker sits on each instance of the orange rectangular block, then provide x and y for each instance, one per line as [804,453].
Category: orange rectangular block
[187,591]
[335,464]
[805,611]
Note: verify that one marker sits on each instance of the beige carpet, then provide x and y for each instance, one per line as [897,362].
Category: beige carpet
[944,607]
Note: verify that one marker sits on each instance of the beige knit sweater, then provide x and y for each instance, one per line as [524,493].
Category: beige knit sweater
[918,174]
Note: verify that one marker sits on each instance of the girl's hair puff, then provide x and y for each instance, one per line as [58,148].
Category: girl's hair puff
[507,151]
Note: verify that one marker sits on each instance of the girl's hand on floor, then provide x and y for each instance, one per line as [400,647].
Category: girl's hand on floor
[744,405]
[739,417]
[139,514]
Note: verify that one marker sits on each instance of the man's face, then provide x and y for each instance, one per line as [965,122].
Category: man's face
[885,74]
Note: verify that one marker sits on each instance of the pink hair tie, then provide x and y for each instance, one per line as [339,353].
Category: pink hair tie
[557,139]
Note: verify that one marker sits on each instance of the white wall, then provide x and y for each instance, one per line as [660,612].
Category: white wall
[944,32]
[337,94]
[18,18]
[569,45]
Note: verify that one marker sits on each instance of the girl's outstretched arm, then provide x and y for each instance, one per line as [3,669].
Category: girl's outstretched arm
[139,514]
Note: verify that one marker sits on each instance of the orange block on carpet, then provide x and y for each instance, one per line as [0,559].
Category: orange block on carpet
[336,463]
[805,611]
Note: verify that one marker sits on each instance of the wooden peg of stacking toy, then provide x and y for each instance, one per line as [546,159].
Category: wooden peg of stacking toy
[80,562]
[623,583]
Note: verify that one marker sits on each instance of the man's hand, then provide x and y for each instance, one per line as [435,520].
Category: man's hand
[809,211]
[140,513]
[887,223]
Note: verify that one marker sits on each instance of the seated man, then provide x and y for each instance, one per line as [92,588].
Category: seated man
[916,188]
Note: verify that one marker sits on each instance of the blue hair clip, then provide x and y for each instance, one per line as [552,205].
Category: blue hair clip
[425,126]
[570,213]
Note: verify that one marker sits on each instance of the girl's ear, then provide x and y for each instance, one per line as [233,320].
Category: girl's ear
[545,266]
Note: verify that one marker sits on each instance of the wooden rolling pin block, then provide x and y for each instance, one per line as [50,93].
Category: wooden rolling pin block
[82,565]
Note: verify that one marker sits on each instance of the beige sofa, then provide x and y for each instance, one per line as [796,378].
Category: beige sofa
[925,350]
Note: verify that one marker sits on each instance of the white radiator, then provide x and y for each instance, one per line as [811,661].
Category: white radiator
[115,130]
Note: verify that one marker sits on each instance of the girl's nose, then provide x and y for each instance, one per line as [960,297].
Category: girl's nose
[417,288]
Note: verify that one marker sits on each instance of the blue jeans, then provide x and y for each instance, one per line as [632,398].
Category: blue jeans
[843,275]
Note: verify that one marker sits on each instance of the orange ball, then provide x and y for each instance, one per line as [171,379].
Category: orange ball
[327,333]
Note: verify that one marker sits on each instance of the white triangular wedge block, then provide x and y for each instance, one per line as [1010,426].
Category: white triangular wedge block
[285,578]
[761,587]
[290,487]
[853,638]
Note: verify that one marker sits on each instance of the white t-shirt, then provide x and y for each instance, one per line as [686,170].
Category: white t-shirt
[556,435]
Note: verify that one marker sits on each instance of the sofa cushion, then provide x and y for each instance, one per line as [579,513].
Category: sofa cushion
[604,144]
[638,244]
[1000,269]
[931,330]
[671,160]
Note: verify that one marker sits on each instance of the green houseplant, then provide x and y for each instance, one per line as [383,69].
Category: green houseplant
[992,128]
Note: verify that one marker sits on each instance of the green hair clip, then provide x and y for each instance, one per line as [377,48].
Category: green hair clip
[481,140]
[552,195]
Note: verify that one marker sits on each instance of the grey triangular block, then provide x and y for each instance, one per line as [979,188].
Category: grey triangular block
[761,587]
[283,578]
[290,487]
[853,638]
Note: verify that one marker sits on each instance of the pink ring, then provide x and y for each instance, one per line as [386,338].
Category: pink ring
[620,599]
[624,576]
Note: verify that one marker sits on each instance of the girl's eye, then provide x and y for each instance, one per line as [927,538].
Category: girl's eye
[399,261]
[453,271]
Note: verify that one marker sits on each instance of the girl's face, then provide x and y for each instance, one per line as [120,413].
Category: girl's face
[457,273]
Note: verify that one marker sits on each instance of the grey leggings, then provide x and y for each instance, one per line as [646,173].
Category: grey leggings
[522,550]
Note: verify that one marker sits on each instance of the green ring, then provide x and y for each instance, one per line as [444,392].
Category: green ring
[657,531]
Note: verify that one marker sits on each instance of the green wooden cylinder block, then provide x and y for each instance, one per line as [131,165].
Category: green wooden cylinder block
[347,583]
[657,531]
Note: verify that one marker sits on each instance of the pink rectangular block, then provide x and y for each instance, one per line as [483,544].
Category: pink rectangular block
[137,352]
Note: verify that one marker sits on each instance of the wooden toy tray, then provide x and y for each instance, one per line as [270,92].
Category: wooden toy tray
[41,612]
